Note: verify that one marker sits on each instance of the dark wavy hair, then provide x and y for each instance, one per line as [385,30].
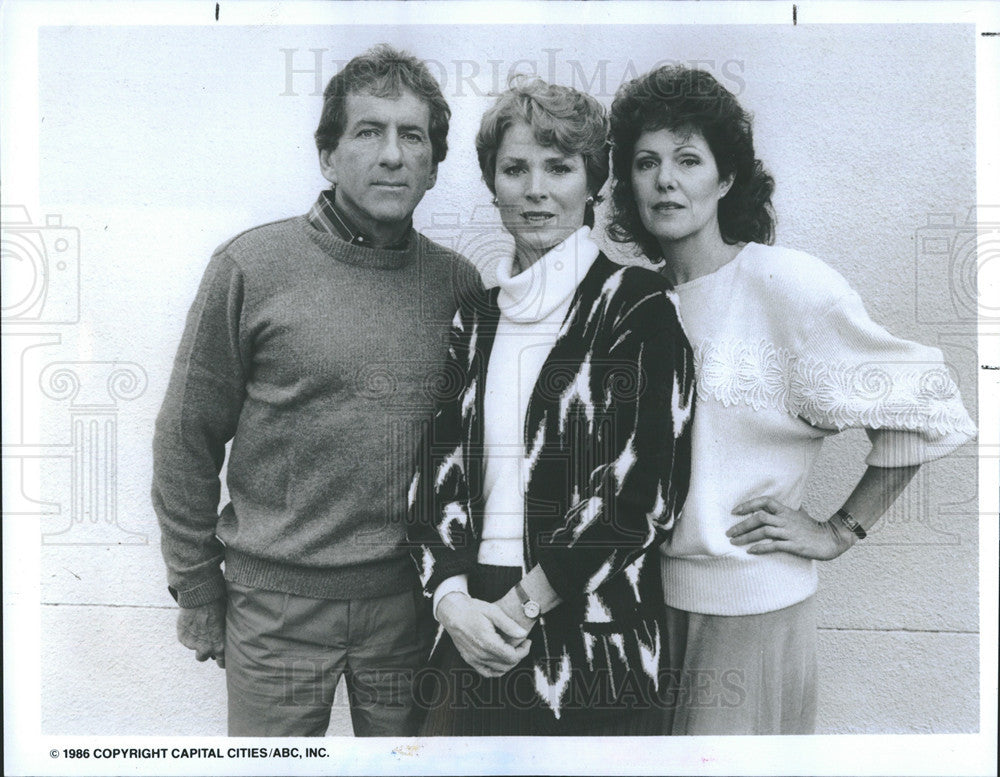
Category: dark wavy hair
[685,100]
[383,71]
[559,117]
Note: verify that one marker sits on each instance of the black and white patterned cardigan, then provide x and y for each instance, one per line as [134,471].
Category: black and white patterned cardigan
[607,438]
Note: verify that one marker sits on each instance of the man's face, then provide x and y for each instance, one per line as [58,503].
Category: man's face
[383,162]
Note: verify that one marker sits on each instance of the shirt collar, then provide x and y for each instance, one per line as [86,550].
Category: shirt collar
[325,216]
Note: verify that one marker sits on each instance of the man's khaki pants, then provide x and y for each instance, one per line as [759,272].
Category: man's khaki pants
[285,655]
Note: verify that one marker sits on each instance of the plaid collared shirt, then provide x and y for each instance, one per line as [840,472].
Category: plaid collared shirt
[325,216]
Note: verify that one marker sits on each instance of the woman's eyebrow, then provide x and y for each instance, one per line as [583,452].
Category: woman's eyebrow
[507,159]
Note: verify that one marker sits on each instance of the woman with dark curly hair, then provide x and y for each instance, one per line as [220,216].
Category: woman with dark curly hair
[562,460]
[785,355]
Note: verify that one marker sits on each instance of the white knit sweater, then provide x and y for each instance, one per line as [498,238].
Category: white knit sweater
[785,355]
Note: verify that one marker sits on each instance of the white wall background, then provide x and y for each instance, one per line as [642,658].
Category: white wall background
[159,143]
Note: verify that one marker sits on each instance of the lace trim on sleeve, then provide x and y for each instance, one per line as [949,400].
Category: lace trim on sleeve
[836,395]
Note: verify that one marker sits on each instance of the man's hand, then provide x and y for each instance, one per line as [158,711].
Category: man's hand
[488,640]
[203,629]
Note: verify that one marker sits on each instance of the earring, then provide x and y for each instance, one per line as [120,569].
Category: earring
[496,201]
[590,200]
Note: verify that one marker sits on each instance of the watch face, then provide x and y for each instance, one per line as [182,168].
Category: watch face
[531,609]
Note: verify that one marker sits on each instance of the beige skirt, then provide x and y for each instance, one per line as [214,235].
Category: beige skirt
[742,674]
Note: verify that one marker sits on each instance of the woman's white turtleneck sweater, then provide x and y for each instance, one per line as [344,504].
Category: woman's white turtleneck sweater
[532,306]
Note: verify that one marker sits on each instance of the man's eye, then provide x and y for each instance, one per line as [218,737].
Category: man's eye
[561,169]
[413,137]
[367,133]
[512,170]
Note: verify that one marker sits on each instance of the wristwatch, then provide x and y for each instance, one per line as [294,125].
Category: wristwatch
[851,523]
[530,608]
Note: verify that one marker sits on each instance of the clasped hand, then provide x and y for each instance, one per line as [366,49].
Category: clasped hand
[774,527]
[486,637]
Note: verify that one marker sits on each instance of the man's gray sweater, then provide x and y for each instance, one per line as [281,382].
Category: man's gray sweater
[321,361]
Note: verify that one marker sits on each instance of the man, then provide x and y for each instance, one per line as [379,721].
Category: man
[313,344]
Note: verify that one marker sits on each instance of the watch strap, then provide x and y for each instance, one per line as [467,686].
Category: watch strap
[851,523]
[530,608]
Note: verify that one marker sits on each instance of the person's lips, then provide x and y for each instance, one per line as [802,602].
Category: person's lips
[391,184]
[537,216]
[667,206]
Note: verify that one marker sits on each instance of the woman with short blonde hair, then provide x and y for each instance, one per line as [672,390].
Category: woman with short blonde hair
[562,461]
